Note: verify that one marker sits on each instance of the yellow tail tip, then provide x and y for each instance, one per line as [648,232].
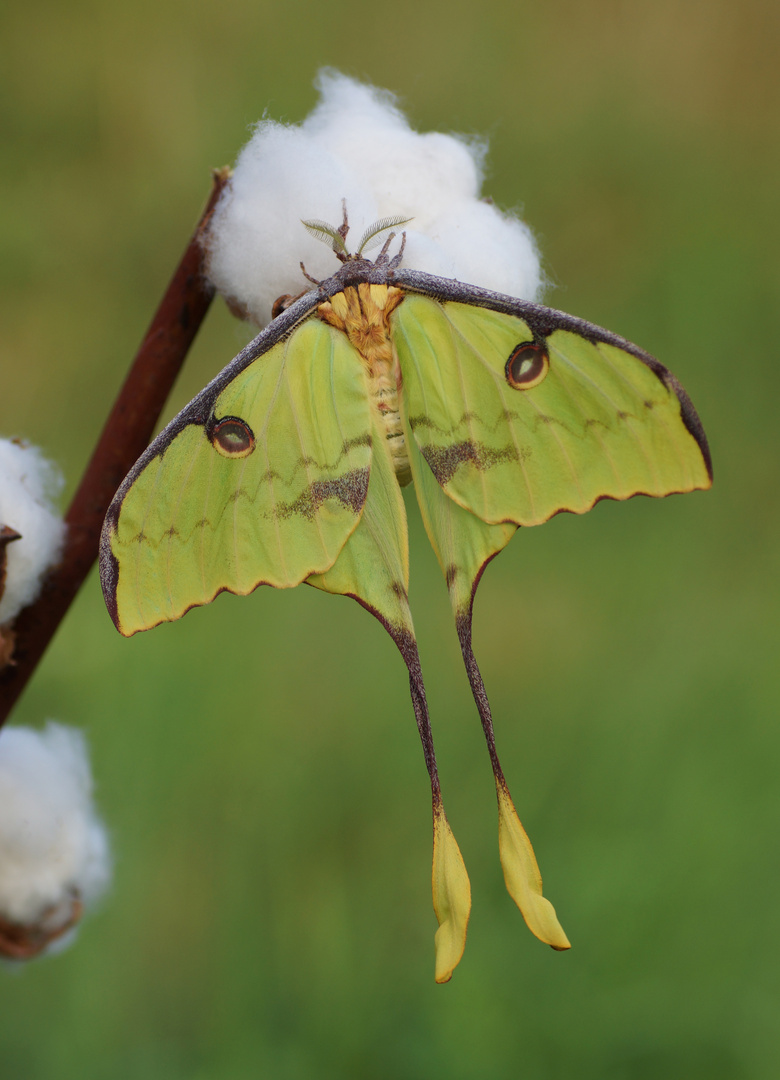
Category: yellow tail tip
[451,897]
[522,876]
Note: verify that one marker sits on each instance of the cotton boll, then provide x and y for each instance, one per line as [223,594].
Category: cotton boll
[27,484]
[53,848]
[256,240]
[357,146]
[345,102]
[408,172]
[490,249]
[417,175]
[427,254]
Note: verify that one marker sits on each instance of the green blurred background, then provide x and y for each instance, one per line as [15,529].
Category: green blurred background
[257,763]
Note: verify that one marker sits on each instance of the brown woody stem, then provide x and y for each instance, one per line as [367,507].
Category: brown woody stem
[125,436]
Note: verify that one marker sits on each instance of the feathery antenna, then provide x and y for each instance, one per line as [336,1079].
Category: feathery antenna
[371,237]
[326,234]
[336,238]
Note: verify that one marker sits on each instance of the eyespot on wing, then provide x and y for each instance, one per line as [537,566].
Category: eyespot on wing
[231,437]
[527,365]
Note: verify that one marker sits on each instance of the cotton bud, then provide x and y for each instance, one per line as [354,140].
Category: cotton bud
[357,148]
[31,530]
[54,853]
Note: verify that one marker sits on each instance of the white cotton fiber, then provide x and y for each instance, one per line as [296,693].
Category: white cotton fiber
[357,146]
[52,845]
[28,482]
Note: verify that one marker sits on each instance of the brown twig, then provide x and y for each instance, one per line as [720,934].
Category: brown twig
[126,434]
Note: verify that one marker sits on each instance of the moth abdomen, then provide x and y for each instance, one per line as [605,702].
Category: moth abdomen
[361,313]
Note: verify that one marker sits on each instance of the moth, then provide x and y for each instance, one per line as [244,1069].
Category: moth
[288,468]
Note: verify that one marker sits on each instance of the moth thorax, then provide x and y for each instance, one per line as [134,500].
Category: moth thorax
[362,314]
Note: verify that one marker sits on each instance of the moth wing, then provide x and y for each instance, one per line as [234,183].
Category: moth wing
[605,421]
[260,480]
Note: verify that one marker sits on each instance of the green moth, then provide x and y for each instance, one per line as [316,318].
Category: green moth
[288,468]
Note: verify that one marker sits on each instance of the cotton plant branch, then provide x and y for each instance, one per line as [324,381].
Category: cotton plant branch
[126,434]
